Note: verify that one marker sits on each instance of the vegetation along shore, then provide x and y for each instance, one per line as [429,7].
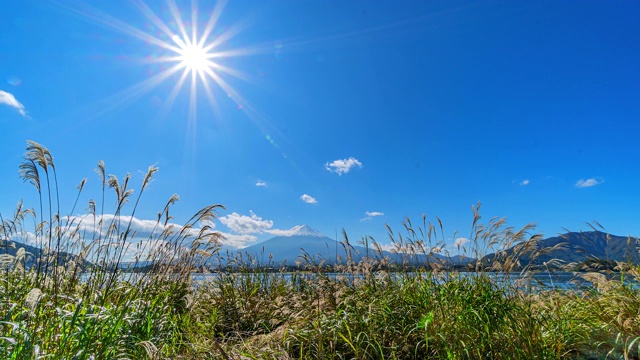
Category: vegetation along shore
[74,291]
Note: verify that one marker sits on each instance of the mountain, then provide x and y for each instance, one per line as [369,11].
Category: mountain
[293,243]
[572,247]
[302,240]
[580,247]
[304,230]
[33,253]
[11,248]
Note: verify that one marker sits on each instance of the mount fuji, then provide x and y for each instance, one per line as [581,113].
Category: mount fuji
[290,245]
[293,243]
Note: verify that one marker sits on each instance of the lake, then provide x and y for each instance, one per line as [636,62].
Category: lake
[539,281]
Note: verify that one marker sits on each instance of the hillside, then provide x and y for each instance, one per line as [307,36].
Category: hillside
[579,247]
[33,253]
[302,240]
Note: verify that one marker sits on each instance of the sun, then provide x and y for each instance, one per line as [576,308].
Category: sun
[188,50]
[193,57]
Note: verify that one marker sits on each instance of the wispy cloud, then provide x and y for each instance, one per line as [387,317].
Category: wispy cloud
[584,183]
[524,182]
[343,166]
[147,231]
[308,199]
[99,224]
[146,237]
[388,247]
[10,100]
[371,214]
[244,224]
[150,236]
[261,183]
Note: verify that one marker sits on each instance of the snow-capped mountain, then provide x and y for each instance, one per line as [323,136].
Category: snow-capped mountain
[303,241]
[289,245]
[302,230]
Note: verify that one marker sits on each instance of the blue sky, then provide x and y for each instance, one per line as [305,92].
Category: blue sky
[335,114]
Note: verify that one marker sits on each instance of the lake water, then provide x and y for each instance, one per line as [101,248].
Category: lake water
[534,282]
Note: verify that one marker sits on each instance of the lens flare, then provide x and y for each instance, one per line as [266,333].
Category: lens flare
[182,50]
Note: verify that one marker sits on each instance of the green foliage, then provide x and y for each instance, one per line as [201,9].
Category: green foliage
[68,296]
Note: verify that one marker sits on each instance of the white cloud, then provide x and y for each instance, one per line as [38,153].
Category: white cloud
[308,199]
[343,166]
[245,228]
[388,247]
[374,213]
[28,238]
[371,215]
[238,241]
[145,238]
[460,242]
[588,183]
[140,227]
[144,250]
[10,100]
[208,222]
[524,182]
[261,183]
[244,224]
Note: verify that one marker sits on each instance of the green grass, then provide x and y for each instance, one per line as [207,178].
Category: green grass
[60,307]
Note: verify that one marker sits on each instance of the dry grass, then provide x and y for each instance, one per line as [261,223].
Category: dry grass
[69,297]
[84,305]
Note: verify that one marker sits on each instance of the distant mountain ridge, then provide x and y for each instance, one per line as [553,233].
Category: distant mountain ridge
[304,241]
[572,247]
[579,247]
[32,253]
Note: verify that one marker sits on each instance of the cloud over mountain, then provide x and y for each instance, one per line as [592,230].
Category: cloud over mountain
[238,241]
[144,236]
[146,233]
[244,224]
[100,224]
[460,242]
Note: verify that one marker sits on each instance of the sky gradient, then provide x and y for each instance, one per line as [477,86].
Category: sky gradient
[335,114]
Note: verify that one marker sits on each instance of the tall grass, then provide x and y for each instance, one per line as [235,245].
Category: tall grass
[376,309]
[73,294]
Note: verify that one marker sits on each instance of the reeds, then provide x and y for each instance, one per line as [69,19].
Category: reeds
[89,287]
[72,295]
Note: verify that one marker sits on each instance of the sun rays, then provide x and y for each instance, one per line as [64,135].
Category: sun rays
[188,48]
